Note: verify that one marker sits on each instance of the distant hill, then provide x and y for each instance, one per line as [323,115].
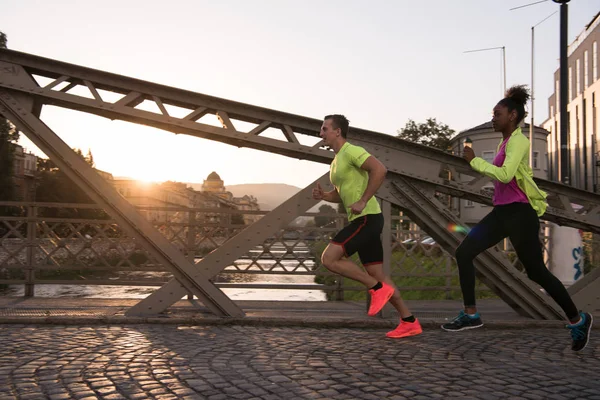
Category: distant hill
[269,195]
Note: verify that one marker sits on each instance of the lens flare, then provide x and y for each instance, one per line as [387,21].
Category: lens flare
[458,228]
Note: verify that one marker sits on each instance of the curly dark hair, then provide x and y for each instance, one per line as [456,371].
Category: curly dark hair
[515,98]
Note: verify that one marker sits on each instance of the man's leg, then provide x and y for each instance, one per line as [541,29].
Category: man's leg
[333,258]
[376,271]
[348,241]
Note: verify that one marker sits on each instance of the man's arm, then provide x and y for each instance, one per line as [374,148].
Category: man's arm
[377,172]
[332,196]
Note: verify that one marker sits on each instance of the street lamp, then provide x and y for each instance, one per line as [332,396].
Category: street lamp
[532,95]
[564,123]
[503,62]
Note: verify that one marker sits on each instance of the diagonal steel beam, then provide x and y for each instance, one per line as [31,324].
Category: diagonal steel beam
[414,162]
[586,291]
[401,157]
[234,248]
[120,209]
[493,267]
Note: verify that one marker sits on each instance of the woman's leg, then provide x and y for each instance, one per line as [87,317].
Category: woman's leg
[489,231]
[524,235]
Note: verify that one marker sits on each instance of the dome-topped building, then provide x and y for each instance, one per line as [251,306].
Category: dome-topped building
[213,176]
[215,186]
[213,183]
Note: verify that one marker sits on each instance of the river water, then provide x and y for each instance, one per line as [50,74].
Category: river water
[139,292]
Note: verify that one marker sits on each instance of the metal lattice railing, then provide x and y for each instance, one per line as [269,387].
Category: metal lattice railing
[45,243]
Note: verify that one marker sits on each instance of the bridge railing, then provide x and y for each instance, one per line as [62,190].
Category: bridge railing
[78,244]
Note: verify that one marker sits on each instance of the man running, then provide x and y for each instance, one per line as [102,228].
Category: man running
[356,175]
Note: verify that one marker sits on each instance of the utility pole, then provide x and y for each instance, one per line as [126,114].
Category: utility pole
[564,91]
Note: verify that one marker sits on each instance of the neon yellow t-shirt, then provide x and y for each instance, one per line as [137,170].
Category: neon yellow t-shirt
[350,180]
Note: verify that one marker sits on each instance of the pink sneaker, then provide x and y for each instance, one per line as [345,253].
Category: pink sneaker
[379,298]
[405,329]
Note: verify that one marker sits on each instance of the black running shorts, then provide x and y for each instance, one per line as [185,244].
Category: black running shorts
[363,235]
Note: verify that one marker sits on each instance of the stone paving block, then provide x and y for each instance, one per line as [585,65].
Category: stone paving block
[218,397]
[83,394]
[556,396]
[59,396]
[114,396]
[169,362]
[531,396]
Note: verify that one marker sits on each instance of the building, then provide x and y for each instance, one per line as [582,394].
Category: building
[484,143]
[24,174]
[213,184]
[167,201]
[582,112]
[149,198]
[106,175]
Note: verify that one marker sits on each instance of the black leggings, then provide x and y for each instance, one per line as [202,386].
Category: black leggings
[520,223]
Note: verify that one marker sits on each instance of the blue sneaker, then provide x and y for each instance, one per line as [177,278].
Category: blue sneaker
[462,322]
[580,332]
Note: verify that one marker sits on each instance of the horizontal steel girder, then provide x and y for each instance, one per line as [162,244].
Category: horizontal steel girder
[236,247]
[568,206]
[128,218]
[432,170]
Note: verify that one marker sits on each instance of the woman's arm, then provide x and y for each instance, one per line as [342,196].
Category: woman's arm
[516,149]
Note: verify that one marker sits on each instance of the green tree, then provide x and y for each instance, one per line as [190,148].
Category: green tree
[54,186]
[431,133]
[237,219]
[322,220]
[8,139]
[90,158]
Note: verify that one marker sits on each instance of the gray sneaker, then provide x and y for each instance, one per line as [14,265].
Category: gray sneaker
[462,322]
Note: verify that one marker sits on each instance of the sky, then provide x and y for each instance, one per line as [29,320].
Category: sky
[380,63]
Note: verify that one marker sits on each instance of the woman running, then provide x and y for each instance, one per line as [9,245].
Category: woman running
[518,204]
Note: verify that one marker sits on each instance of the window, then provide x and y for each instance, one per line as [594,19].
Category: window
[535,163]
[547,162]
[586,81]
[570,83]
[488,156]
[595,60]
[469,203]
[557,91]
[578,75]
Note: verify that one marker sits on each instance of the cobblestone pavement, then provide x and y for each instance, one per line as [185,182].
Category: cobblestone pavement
[248,362]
